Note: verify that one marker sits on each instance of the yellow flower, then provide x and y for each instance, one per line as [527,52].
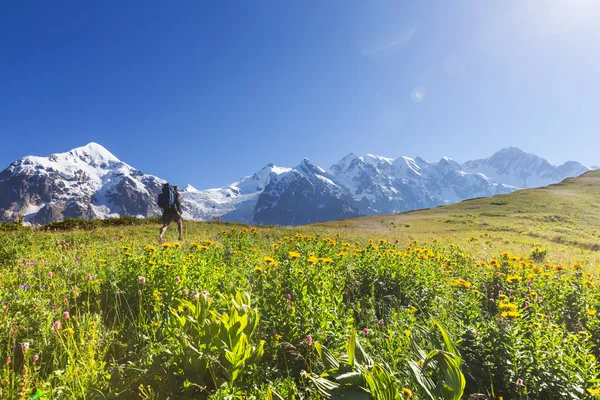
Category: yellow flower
[101,260]
[594,391]
[326,260]
[510,314]
[269,260]
[313,260]
[69,331]
[124,248]
[294,254]
[177,245]
[577,267]
[592,313]
[195,245]
[166,245]
[407,393]
[588,284]
[461,283]
[411,310]
[534,294]
[152,262]
[342,254]
[259,270]
[513,278]
[507,306]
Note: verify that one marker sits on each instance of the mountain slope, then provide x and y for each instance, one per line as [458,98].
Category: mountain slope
[384,185]
[566,213]
[302,195]
[514,167]
[86,182]
[90,182]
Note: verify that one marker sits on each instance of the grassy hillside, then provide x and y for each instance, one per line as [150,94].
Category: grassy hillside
[432,304]
[563,218]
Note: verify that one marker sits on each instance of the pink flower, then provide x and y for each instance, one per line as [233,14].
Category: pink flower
[380,322]
[89,277]
[388,337]
[35,358]
[50,274]
[526,304]
[56,326]
[66,315]
[142,280]
[25,346]
[519,382]
[310,321]
[177,279]
[366,331]
[139,292]
[309,340]
[500,292]
[491,300]
[8,360]
[76,291]
[289,296]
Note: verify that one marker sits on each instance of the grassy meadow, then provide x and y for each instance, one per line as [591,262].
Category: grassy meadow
[492,298]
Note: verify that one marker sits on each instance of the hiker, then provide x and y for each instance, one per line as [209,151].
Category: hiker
[170,201]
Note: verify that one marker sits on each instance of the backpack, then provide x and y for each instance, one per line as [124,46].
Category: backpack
[166,199]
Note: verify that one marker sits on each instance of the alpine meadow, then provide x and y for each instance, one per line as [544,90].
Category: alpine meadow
[300,200]
[488,298]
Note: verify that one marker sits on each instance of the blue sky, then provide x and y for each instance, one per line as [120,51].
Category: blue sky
[206,92]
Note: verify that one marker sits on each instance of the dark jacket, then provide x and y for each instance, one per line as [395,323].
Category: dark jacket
[178,205]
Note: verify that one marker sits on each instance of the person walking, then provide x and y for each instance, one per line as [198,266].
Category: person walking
[170,201]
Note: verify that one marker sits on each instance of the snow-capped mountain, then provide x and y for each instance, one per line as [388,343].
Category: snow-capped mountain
[385,185]
[234,202]
[90,182]
[86,182]
[513,166]
[303,195]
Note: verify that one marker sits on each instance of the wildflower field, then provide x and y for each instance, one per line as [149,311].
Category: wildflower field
[254,313]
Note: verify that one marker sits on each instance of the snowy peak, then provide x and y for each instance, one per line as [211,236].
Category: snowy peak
[90,182]
[85,182]
[513,166]
[189,189]
[347,163]
[306,167]
[93,152]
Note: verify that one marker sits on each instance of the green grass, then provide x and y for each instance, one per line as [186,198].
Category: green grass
[564,218]
[496,296]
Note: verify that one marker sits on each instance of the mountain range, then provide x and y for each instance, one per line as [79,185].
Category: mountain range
[90,182]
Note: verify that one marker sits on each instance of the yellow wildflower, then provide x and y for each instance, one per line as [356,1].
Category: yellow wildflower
[461,283]
[507,306]
[510,314]
[294,254]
